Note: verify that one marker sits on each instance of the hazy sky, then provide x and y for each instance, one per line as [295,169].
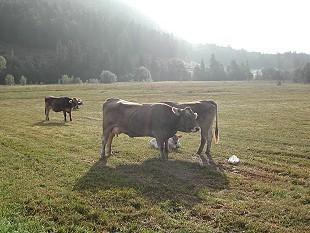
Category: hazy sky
[267,26]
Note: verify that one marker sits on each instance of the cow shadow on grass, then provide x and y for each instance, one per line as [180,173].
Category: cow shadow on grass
[156,180]
[50,123]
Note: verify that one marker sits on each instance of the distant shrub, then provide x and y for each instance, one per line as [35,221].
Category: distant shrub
[2,63]
[77,80]
[142,74]
[9,79]
[107,76]
[65,79]
[23,80]
[93,80]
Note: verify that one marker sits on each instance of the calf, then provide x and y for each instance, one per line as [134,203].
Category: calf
[173,143]
[59,104]
[138,120]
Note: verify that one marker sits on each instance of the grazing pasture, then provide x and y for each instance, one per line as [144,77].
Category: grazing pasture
[51,178]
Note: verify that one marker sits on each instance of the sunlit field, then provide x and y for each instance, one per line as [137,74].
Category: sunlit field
[52,179]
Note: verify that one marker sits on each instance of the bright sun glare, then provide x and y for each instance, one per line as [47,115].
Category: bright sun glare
[263,26]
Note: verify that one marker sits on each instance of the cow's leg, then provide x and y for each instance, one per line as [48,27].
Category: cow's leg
[166,149]
[47,113]
[110,139]
[65,114]
[209,141]
[105,137]
[202,141]
[208,147]
[161,148]
[70,115]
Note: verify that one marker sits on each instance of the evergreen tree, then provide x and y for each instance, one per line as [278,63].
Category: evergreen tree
[298,75]
[200,73]
[202,70]
[23,80]
[217,71]
[155,69]
[234,71]
[247,71]
[197,73]
[306,73]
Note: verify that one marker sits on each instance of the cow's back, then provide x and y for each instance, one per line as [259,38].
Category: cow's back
[61,104]
[122,116]
[204,108]
[136,119]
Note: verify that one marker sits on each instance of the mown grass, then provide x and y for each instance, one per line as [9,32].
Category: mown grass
[51,178]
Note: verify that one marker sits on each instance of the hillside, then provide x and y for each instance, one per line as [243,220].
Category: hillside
[44,40]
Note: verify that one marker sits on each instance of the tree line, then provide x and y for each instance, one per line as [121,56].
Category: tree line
[105,41]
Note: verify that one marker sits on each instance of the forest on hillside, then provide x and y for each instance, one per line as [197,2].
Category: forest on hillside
[74,41]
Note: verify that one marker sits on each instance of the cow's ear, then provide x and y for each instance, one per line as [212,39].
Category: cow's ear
[176,111]
[196,115]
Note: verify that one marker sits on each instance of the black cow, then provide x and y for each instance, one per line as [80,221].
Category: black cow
[138,120]
[59,104]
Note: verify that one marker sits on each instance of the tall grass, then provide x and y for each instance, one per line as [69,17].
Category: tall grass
[51,178]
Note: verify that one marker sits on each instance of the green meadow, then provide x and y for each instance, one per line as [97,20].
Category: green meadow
[52,179]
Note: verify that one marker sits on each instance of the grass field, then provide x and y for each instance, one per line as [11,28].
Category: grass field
[51,178]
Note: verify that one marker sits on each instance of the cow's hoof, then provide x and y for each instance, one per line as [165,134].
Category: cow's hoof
[103,157]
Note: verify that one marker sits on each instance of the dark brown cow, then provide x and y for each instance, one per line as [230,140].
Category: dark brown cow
[59,104]
[207,111]
[138,120]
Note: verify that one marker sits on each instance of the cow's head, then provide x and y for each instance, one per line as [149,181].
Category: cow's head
[73,103]
[79,101]
[174,141]
[187,119]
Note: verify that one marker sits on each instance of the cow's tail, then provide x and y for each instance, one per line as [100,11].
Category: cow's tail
[216,132]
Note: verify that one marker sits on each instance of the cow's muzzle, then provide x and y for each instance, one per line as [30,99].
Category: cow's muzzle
[195,129]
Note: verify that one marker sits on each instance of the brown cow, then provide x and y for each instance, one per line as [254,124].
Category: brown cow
[138,120]
[59,104]
[207,111]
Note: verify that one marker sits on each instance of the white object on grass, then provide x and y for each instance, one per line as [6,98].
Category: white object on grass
[233,160]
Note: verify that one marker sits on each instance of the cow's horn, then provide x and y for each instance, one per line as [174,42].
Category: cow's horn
[176,111]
